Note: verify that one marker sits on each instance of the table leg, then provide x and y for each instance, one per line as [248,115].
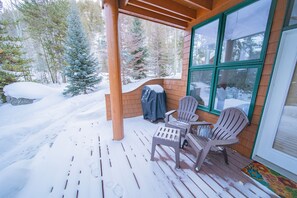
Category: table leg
[177,156]
[153,150]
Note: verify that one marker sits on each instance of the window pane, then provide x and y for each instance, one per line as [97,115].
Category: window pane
[293,18]
[244,32]
[235,88]
[286,136]
[200,86]
[204,46]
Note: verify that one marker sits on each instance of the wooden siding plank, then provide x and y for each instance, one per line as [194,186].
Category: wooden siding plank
[151,16]
[173,7]
[204,4]
[157,10]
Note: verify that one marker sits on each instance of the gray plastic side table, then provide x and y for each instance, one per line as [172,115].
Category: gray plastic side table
[168,137]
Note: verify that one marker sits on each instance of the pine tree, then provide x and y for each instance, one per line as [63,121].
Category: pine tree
[159,52]
[13,66]
[138,51]
[81,65]
[5,79]
[11,54]
[125,43]
[47,25]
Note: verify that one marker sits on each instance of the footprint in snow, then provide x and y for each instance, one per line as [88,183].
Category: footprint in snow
[116,188]
[94,169]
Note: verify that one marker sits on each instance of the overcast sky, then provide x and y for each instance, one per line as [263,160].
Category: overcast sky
[5,3]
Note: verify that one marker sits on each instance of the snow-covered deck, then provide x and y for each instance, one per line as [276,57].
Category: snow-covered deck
[92,165]
[63,147]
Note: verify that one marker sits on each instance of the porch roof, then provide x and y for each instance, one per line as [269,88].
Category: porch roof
[175,13]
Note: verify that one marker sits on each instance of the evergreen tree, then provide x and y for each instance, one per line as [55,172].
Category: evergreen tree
[5,79]
[138,51]
[13,66]
[11,54]
[47,25]
[159,52]
[93,23]
[81,65]
[125,43]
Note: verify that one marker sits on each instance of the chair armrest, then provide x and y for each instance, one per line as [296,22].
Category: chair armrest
[167,114]
[200,123]
[223,142]
[194,118]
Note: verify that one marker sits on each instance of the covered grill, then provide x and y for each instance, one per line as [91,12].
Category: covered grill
[153,100]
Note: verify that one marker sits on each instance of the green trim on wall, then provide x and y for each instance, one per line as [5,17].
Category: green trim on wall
[268,27]
[212,79]
[266,36]
[218,17]
[255,88]
[289,10]
[257,63]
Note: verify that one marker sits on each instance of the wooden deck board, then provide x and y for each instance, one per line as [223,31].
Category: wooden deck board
[237,162]
[109,163]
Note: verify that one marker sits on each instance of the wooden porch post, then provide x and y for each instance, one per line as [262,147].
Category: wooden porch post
[114,67]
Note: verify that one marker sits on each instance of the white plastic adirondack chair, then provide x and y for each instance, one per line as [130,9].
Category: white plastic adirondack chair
[186,114]
[230,123]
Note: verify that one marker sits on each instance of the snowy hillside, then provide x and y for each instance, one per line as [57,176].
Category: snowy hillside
[29,90]
[26,130]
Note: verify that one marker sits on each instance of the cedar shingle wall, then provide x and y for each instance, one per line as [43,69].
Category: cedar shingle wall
[175,89]
[131,101]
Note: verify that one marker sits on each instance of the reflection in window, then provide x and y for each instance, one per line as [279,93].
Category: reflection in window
[205,39]
[244,32]
[293,17]
[235,88]
[200,86]
[286,135]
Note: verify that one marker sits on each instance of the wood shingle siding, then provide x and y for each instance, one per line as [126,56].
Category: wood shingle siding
[247,137]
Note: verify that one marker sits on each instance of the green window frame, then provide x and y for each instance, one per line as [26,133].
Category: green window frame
[290,11]
[217,65]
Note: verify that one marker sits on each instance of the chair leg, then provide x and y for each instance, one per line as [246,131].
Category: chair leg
[185,143]
[201,158]
[225,155]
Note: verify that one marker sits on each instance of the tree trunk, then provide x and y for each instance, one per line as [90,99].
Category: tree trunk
[46,60]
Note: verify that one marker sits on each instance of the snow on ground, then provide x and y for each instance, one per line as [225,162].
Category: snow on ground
[38,143]
[29,90]
[35,139]
[132,86]
[25,130]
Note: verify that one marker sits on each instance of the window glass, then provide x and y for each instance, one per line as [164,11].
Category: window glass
[241,33]
[200,86]
[204,46]
[244,32]
[235,88]
[293,18]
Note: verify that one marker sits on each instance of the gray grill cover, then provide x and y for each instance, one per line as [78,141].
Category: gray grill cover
[153,103]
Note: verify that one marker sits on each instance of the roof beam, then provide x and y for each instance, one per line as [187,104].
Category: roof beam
[151,16]
[172,6]
[145,6]
[204,4]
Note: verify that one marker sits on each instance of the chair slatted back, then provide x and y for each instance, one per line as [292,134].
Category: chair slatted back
[186,108]
[230,123]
